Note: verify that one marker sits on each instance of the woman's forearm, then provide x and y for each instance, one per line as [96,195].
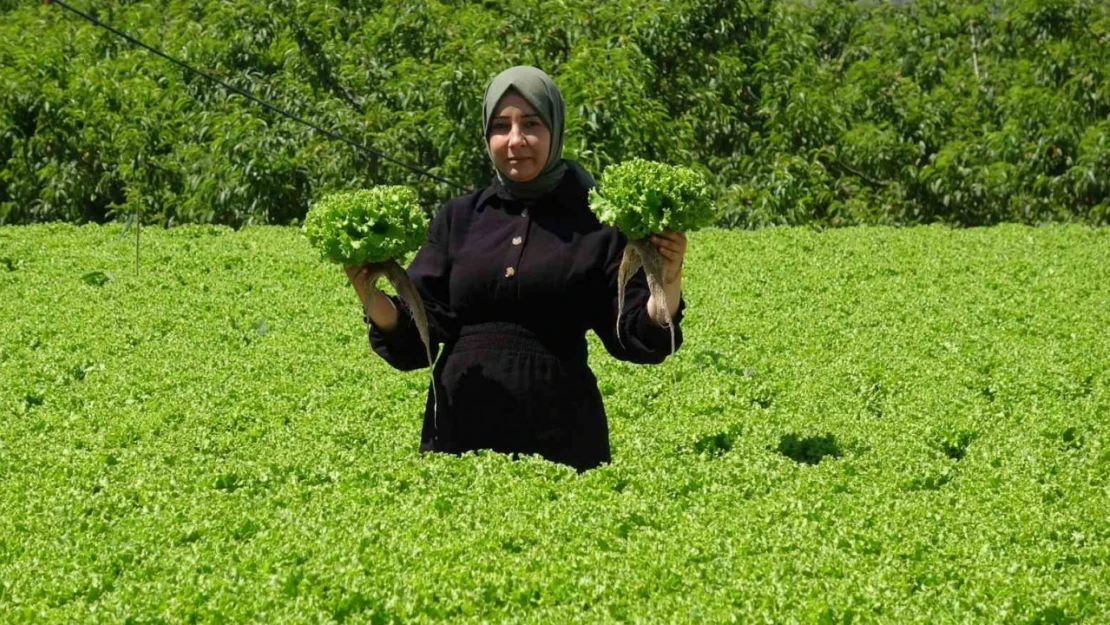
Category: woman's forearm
[379,309]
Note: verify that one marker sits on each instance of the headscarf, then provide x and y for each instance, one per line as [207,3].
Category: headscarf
[540,91]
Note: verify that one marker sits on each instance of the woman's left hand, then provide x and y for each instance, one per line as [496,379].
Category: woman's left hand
[672,247]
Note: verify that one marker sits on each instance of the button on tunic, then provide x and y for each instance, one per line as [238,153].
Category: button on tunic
[511,291]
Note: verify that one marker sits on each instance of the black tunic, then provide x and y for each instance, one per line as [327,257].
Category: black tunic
[511,290]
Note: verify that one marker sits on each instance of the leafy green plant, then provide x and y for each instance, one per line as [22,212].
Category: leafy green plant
[374,227]
[366,226]
[641,198]
[215,442]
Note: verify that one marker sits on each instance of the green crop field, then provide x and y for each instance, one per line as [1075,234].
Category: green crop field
[864,425]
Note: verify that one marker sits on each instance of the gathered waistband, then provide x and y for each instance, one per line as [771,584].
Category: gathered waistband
[503,335]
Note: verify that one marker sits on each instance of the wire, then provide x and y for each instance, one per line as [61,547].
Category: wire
[248,95]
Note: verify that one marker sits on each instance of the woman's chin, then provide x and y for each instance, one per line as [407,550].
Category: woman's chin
[521,175]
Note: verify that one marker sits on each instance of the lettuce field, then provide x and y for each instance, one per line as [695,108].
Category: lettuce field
[863,425]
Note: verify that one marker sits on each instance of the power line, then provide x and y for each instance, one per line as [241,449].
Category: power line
[248,95]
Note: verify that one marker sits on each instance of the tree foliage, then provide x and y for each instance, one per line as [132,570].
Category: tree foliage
[830,112]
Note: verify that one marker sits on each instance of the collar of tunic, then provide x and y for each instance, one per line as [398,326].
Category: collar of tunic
[568,193]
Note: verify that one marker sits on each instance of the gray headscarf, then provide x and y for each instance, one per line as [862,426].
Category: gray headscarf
[540,91]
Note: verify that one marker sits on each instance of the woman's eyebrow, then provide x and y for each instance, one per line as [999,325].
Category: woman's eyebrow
[499,117]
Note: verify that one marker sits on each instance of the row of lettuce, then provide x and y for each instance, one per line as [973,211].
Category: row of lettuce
[829,113]
[863,425]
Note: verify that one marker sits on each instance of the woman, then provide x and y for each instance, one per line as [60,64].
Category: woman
[512,277]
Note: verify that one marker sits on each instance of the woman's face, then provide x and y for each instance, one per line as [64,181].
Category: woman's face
[518,140]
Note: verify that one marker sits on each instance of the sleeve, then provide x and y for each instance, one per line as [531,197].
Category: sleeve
[430,273]
[642,340]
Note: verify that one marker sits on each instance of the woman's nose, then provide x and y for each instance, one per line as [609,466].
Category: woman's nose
[516,137]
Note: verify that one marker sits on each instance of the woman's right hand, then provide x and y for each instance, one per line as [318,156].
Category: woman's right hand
[364,277]
[378,308]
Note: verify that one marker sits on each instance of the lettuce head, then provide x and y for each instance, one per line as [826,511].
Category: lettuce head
[642,197]
[366,225]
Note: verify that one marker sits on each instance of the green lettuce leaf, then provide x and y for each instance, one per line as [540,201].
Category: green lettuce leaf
[366,225]
[641,197]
